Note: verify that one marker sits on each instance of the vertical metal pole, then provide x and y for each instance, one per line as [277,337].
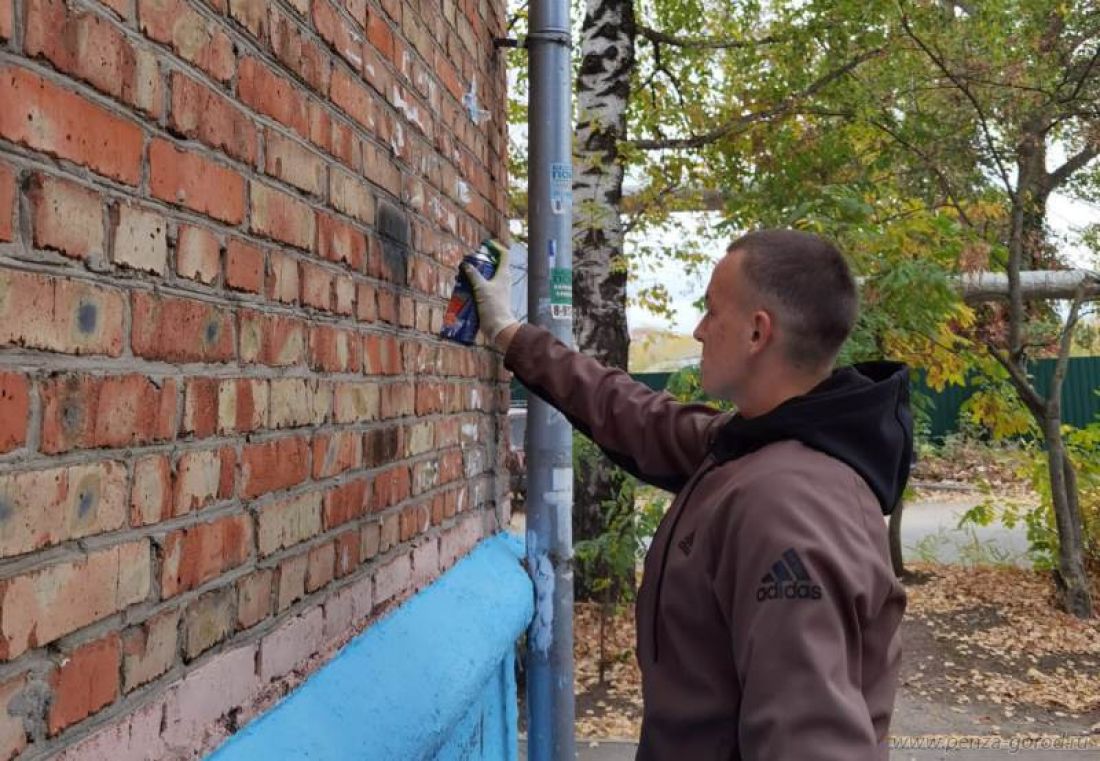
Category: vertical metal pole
[549,442]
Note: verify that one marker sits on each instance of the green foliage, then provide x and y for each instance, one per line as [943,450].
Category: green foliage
[609,560]
[686,385]
[1083,447]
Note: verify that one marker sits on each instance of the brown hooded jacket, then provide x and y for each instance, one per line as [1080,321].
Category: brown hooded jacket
[768,614]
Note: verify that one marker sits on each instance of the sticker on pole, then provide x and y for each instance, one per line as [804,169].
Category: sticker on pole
[561,293]
[561,187]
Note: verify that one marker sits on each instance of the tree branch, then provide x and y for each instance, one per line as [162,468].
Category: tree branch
[1074,163]
[983,121]
[945,183]
[1084,76]
[1028,394]
[1064,345]
[657,37]
[745,120]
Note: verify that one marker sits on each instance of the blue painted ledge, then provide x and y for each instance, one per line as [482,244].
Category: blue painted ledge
[433,680]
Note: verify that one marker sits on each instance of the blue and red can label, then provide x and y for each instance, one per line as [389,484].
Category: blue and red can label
[460,321]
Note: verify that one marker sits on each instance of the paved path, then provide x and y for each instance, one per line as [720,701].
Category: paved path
[614,750]
[929,530]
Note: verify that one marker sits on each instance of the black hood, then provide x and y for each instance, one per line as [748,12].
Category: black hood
[859,415]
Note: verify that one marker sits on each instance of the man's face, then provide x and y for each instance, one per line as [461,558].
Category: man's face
[730,331]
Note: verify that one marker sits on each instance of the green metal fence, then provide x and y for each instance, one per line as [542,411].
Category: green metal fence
[1080,394]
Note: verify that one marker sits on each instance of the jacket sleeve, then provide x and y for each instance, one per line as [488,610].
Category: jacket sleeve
[793,586]
[646,432]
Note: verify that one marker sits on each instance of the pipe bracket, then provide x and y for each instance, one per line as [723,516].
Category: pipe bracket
[554,38]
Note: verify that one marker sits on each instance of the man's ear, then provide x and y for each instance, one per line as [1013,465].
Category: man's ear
[761,331]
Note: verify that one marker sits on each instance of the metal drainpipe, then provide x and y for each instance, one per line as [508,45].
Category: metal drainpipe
[549,442]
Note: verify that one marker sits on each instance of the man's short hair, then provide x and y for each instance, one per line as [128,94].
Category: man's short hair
[806,282]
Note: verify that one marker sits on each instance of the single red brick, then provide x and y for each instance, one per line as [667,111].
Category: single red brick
[447,74]
[316,287]
[181,330]
[201,42]
[345,503]
[14,406]
[253,598]
[376,70]
[139,238]
[429,398]
[81,411]
[450,467]
[242,405]
[191,180]
[293,163]
[197,254]
[347,552]
[387,307]
[279,216]
[287,522]
[334,453]
[7,201]
[194,555]
[253,16]
[203,114]
[200,407]
[66,217]
[340,242]
[198,479]
[344,144]
[55,314]
[244,267]
[322,565]
[150,649]
[86,681]
[380,35]
[48,506]
[45,117]
[274,465]
[350,96]
[207,621]
[349,195]
[151,493]
[282,278]
[87,46]
[227,480]
[261,89]
[271,339]
[291,580]
[334,351]
[344,290]
[366,303]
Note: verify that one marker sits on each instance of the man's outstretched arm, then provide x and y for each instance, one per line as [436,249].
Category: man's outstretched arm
[647,432]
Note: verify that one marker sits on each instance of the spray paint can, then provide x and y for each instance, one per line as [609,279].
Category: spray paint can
[460,321]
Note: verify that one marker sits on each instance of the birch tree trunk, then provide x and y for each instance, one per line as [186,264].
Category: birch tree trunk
[599,274]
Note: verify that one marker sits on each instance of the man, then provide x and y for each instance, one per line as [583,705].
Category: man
[768,614]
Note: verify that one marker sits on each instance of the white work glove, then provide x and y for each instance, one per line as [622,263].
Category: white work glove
[493,298]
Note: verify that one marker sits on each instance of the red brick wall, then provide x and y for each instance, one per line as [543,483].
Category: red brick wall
[229,437]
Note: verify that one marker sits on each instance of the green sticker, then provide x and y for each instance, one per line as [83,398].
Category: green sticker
[561,293]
